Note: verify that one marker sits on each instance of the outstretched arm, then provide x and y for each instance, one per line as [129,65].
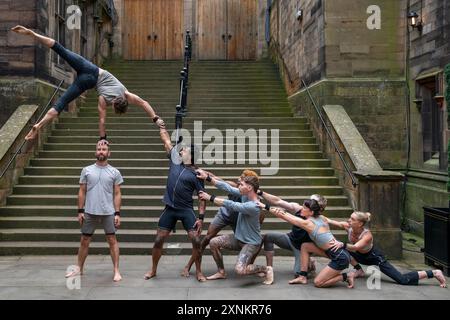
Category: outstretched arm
[165,138]
[338,224]
[292,207]
[364,242]
[135,99]
[301,223]
[102,116]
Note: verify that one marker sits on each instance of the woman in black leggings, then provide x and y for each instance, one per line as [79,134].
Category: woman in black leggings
[360,246]
[110,90]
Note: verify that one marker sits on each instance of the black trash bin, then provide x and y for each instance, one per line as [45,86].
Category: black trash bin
[437,237]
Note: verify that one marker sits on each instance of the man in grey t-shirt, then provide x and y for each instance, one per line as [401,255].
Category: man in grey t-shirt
[99,201]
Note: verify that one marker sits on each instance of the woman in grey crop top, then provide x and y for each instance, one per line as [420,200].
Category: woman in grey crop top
[110,90]
[360,246]
[319,232]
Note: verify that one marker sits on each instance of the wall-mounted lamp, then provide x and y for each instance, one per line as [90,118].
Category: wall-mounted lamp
[299,15]
[414,21]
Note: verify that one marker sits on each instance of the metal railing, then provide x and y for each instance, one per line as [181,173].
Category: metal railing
[19,150]
[331,138]
[184,82]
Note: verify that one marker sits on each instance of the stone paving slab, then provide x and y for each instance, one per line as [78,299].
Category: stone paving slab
[42,278]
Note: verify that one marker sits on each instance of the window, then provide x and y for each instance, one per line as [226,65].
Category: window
[434,124]
[60,23]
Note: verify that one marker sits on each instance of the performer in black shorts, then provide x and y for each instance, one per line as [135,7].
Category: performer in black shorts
[182,182]
[360,246]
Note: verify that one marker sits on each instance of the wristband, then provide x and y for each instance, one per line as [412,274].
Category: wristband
[212,198]
[208,178]
[201,216]
[155,118]
[345,245]
[117,213]
[80,210]
[260,193]
[267,207]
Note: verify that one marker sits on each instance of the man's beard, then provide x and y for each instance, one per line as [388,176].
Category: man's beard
[102,158]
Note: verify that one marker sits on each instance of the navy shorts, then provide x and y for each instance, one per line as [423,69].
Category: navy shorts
[340,259]
[170,216]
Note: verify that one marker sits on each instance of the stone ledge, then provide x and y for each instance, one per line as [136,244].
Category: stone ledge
[14,126]
[354,144]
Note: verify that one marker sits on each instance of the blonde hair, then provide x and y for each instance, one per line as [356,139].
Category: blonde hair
[321,200]
[363,217]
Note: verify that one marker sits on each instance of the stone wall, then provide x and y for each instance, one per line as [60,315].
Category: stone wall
[429,53]
[298,46]
[17,53]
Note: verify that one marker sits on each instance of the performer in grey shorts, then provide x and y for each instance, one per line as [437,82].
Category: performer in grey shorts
[99,200]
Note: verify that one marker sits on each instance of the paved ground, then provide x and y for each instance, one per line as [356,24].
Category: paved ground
[42,277]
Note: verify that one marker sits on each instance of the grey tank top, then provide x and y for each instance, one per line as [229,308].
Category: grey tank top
[366,248]
[109,87]
[320,239]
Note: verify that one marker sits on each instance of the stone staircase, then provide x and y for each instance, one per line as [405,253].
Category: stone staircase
[40,215]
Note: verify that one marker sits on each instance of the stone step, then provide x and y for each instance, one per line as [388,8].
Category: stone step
[168,115]
[14,248]
[162,155]
[156,139]
[133,178]
[310,159]
[298,122]
[123,236]
[337,207]
[147,200]
[158,146]
[143,187]
[219,170]
[283,132]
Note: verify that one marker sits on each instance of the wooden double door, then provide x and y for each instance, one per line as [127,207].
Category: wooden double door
[153,29]
[226,29]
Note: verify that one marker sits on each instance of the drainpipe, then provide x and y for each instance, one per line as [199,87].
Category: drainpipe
[268,9]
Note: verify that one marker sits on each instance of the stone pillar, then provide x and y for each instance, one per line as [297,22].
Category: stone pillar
[379,192]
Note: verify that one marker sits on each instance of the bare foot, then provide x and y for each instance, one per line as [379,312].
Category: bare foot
[359,273]
[32,134]
[185,272]
[351,280]
[149,275]
[217,276]
[299,280]
[22,30]
[117,277]
[76,271]
[201,277]
[269,276]
[440,277]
